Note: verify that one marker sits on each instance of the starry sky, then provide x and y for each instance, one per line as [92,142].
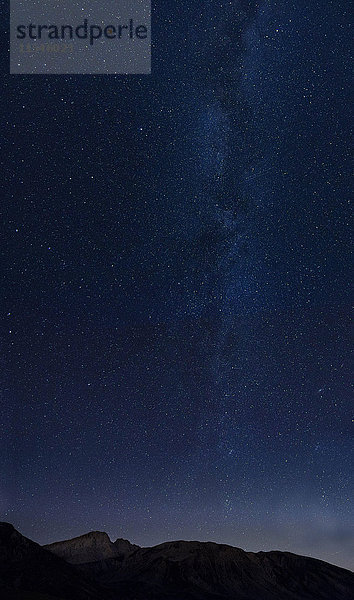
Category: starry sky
[175,287]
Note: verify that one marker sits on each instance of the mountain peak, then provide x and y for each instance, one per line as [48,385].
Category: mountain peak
[27,567]
[90,547]
[90,536]
[124,547]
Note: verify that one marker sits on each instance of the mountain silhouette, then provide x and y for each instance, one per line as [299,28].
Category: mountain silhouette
[29,572]
[97,568]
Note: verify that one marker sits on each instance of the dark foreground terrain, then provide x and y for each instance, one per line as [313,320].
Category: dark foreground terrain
[91,567]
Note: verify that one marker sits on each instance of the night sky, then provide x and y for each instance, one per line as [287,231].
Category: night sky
[175,291]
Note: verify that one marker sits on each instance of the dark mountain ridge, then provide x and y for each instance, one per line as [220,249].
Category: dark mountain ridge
[170,571]
[27,571]
[209,571]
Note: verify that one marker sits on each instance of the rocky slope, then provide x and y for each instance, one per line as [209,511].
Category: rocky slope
[29,572]
[208,571]
[93,546]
